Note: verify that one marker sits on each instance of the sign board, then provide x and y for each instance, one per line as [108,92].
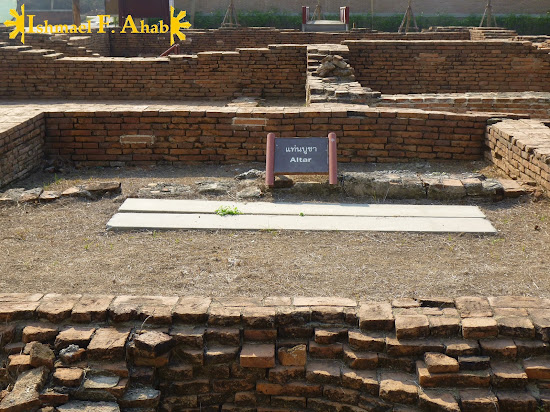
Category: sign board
[294,155]
[308,155]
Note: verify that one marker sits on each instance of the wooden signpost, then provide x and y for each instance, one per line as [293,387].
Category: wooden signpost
[301,156]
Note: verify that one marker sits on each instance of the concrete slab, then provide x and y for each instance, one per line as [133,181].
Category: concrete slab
[166,221]
[294,209]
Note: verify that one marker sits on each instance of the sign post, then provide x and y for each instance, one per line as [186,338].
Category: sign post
[305,156]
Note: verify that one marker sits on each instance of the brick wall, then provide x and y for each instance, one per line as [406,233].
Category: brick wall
[234,135]
[449,66]
[21,147]
[230,39]
[521,149]
[536,105]
[273,354]
[275,72]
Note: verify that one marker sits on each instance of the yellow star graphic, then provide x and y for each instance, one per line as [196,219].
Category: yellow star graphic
[176,25]
[19,24]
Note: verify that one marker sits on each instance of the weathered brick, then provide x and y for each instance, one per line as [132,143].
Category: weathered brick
[448,380]
[507,375]
[374,342]
[440,363]
[433,400]
[516,401]
[473,307]
[360,360]
[476,328]
[257,356]
[77,335]
[499,348]
[39,333]
[473,400]
[108,343]
[294,356]
[323,372]
[191,309]
[410,327]
[333,351]
[398,388]
[70,377]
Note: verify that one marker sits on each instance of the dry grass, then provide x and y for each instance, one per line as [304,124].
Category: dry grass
[63,247]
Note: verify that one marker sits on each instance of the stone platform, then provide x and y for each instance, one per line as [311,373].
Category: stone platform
[165,214]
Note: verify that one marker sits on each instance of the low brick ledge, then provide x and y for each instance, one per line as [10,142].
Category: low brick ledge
[279,311]
[115,353]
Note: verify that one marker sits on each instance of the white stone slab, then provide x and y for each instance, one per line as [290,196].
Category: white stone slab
[308,209]
[165,221]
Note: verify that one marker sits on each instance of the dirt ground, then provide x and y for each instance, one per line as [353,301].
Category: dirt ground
[64,247]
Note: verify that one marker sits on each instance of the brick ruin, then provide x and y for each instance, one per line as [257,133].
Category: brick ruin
[273,354]
[460,94]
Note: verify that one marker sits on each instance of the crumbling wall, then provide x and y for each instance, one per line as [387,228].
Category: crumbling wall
[222,135]
[521,149]
[231,39]
[21,146]
[275,353]
[536,105]
[275,72]
[395,67]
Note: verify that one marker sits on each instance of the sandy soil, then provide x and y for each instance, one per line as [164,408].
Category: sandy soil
[64,247]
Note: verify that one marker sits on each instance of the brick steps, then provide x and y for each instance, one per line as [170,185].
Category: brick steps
[303,354]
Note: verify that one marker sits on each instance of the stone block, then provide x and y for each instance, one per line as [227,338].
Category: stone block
[410,327]
[537,368]
[333,351]
[154,343]
[507,375]
[430,399]
[463,379]
[257,356]
[294,356]
[499,348]
[91,308]
[372,342]
[70,377]
[360,360]
[108,344]
[38,333]
[40,355]
[516,327]
[191,309]
[473,307]
[362,380]
[516,401]
[478,328]
[444,326]
[323,372]
[474,400]
[376,316]
[440,363]
[77,335]
[474,363]
[398,387]
[25,395]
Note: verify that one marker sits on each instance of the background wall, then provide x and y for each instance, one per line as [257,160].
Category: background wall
[461,7]
[449,66]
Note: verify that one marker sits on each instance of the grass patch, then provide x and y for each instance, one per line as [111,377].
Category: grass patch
[227,210]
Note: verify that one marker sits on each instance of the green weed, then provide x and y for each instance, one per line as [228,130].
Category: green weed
[227,210]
